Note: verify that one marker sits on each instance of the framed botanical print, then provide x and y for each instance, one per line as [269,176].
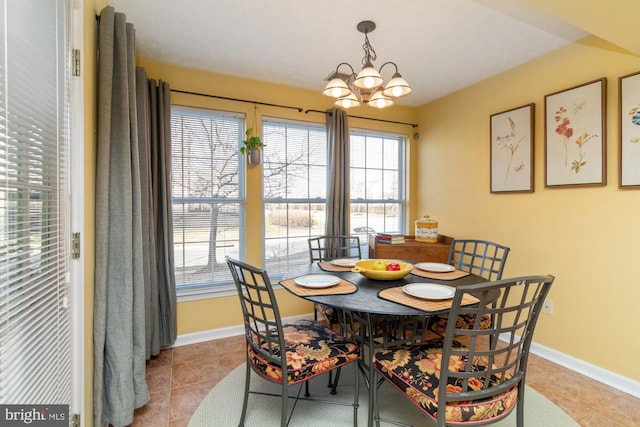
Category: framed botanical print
[575,136]
[629,122]
[512,150]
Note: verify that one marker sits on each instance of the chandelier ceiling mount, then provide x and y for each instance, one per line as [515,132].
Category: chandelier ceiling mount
[366,87]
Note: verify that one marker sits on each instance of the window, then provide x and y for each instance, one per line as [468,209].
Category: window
[35,321]
[294,191]
[295,177]
[207,194]
[377,183]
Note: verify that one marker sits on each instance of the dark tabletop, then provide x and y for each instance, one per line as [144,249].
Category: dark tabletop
[366,299]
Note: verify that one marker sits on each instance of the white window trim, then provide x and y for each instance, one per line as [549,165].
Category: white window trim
[77,190]
[219,292]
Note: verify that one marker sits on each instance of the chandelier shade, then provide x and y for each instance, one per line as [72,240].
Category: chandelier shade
[348,101]
[337,88]
[380,100]
[397,86]
[368,78]
[367,86]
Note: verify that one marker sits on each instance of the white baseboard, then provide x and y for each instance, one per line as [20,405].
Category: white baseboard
[594,372]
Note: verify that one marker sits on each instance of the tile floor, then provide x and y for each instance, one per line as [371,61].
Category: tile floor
[179,378]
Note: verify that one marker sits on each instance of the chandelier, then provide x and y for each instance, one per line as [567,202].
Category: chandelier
[366,87]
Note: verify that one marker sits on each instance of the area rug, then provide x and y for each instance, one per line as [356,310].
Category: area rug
[222,406]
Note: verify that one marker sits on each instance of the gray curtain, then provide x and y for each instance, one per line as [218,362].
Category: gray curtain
[153,103]
[134,297]
[338,183]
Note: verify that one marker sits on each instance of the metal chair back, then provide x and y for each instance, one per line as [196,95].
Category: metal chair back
[326,248]
[260,313]
[515,316]
[481,257]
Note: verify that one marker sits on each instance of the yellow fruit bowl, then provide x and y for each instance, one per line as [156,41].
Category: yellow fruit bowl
[365,267]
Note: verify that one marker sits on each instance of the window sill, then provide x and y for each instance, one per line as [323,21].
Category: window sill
[208,293]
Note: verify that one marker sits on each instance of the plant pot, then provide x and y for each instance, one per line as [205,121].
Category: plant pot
[254,157]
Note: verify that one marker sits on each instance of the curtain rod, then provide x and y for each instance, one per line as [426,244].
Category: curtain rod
[413,125]
[239,100]
[300,110]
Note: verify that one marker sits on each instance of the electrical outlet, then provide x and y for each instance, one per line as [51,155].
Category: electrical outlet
[547,307]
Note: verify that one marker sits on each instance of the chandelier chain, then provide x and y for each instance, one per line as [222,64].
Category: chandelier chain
[369,52]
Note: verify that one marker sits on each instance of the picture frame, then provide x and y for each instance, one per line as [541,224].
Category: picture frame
[512,141]
[575,136]
[629,131]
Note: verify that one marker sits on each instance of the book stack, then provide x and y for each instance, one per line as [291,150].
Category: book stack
[390,238]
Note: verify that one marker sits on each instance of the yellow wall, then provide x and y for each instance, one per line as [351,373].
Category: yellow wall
[586,237]
[207,314]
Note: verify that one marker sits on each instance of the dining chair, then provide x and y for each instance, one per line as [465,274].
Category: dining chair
[287,354]
[476,383]
[327,248]
[480,257]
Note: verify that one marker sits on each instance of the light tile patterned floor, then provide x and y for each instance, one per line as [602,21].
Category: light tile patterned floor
[179,378]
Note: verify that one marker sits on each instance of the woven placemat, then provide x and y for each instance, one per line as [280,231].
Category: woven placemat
[327,266]
[341,288]
[397,295]
[451,275]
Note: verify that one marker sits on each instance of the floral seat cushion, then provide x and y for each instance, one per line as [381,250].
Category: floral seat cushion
[464,321]
[311,350]
[415,371]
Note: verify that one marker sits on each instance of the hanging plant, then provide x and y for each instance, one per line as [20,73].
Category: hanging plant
[251,142]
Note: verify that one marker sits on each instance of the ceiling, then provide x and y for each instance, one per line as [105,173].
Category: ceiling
[439,46]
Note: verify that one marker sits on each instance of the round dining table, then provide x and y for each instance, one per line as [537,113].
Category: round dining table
[371,318]
[365,298]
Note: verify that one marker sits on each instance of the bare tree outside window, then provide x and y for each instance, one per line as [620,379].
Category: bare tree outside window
[294,191]
[208,200]
[208,192]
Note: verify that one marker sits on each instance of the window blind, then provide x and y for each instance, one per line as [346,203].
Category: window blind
[207,196]
[378,197]
[35,340]
[294,191]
